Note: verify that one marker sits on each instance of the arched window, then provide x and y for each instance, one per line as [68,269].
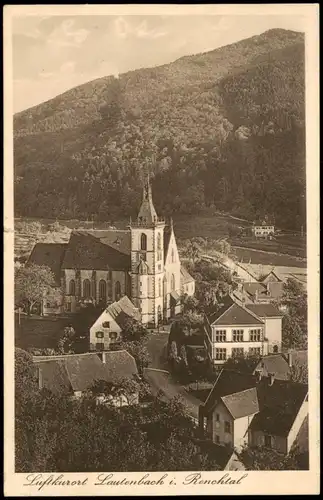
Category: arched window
[159,314]
[86,289]
[173,255]
[159,287]
[117,290]
[159,241]
[172,283]
[102,290]
[143,242]
[72,288]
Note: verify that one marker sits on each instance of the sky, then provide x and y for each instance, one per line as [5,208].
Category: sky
[52,54]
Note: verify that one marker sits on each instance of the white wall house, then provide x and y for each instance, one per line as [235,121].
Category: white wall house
[244,409]
[263,230]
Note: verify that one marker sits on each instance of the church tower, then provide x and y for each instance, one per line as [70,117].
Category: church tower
[147,260]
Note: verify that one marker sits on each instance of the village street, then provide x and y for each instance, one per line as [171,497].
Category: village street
[159,378]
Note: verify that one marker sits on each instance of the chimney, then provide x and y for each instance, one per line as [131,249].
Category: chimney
[40,378]
[271,378]
[258,374]
[289,359]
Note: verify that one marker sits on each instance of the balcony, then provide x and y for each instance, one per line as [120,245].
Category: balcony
[146,223]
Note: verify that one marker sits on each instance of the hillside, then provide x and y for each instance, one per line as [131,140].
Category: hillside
[224,129]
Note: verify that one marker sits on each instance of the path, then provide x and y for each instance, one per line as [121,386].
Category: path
[159,378]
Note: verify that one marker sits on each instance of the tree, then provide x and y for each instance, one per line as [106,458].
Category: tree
[299,372]
[116,391]
[294,302]
[133,331]
[138,349]
[258,458]
[33,284]
[192,251]
[245,363]
[65,343]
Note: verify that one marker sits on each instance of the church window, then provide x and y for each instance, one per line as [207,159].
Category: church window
[173,255]
[109,290]
[143,242]
[102,290]
[159,287]
[117,290]
[86,289]
[159,241]
[72,287]
[172,283]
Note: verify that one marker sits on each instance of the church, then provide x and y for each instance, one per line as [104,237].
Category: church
[101,266]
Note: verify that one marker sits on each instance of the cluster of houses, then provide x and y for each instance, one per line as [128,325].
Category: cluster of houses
[136,274]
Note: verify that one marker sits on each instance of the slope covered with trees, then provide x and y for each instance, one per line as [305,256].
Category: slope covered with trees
[224,129]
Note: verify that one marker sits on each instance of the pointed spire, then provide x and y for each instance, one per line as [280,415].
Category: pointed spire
[171,223]
[147,213]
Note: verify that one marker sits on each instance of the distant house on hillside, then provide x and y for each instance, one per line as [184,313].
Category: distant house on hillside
[244,409]
[107,328]
[73,374]
[238,330]
[263,229]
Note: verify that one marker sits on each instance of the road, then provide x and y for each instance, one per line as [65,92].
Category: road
[159,378]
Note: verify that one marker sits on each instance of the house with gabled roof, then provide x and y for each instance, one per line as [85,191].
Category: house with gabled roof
[101,266]
[74,374]
[107,328]
[244,409]
[238,329]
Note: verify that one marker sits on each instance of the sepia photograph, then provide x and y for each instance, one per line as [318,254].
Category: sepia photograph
[160,228]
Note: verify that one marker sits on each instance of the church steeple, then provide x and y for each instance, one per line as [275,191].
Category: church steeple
[147,213]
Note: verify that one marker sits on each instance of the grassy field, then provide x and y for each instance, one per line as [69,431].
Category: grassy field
[38,332]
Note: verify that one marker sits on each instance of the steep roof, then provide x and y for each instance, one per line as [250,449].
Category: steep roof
[167,234]
[147,213]
[119,364]
[274,363]
[51,255]
[123,309]
[253,288]
[271,277]
[185,276]
[86,251]
[78,372]
[119,239]
[278,403]
[264,310]
[242,403]
[228,382]
[234,314]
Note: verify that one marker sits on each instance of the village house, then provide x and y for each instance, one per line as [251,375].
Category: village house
[74,374]
[283,365]
[106,330]
[263,230]
[101,266]
[238,329]
[254,410]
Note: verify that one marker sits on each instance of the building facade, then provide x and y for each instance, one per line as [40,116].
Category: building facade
[101,266]
[238,330]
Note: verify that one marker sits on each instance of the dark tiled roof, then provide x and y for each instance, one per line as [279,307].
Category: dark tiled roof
[118,239]
[51,255]
[119,364]
[271,277]
[252,288]
[279,403]
[78,372]
[122,310]
[275,289]
[86,251]
[234,314]
[276,364]
[185,276]
[264,310]
[229,382]
[242,403]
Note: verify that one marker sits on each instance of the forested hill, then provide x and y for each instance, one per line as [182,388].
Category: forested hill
[224,129]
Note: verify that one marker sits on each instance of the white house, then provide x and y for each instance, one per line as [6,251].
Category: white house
[263,230]
[254,410]
[106,330]
[238,329]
